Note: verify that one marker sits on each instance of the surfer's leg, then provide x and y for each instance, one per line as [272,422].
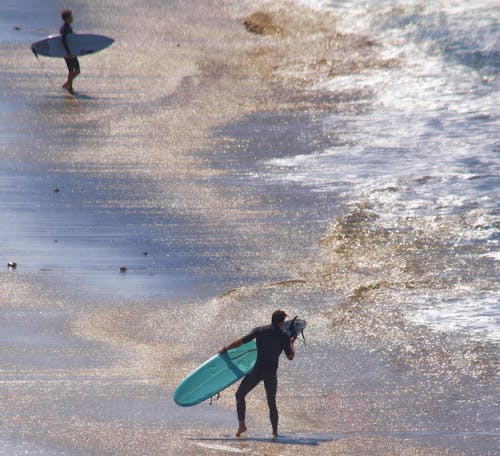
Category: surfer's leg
[73,72]
[242,428]
[271,385]
[67,84]
[248,383]
[69,64]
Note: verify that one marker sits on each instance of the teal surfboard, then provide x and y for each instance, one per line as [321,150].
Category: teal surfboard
[216,374]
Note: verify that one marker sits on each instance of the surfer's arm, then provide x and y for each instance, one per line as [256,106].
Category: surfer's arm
[291,354]
[243,340]
[64,35]
[65,44]
[234,344]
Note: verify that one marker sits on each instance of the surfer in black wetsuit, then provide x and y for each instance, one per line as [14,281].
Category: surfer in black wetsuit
[71,61]
[271,341]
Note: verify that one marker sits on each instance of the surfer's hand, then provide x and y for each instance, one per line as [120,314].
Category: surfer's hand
[292,340]
[223,350]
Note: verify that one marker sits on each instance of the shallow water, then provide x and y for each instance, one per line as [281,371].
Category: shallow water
[424,156]
[70,231]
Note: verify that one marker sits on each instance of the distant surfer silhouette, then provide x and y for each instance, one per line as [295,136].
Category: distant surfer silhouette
[271,341]
[71,61]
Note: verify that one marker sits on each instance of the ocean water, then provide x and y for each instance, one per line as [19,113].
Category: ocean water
[30,22]
[83,233]
[406,190]
[423,158]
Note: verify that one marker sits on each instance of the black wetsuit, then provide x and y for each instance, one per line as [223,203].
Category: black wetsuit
[72,63]
[271,341]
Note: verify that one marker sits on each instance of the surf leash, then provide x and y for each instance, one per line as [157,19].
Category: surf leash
[44,70]
[213,398]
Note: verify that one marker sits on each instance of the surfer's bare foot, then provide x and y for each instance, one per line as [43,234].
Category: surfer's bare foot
[67,86]
[241,429]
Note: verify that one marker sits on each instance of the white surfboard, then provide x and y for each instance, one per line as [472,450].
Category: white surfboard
[295,327]
[82,44]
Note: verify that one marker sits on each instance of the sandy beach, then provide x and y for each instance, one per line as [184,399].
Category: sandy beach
[149,167]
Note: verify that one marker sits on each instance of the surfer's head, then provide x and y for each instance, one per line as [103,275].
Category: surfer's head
[278,318]
[66,14]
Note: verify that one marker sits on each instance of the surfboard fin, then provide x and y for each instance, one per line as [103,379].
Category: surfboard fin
[294,331]
[34,52]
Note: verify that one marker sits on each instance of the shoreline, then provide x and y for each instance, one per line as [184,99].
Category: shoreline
[178,178]
[123,405]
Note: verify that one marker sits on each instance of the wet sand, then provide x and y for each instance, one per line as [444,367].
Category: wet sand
[149,157]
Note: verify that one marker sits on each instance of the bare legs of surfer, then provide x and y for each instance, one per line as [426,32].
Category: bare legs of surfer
[68,85]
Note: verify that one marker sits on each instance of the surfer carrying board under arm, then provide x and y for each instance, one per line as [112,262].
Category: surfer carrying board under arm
[271,340]
[71,61]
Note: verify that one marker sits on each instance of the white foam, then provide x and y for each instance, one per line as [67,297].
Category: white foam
[493,254]
[428,149]
[472,312]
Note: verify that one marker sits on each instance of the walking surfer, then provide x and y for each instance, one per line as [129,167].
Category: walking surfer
[271,340]
[71,61]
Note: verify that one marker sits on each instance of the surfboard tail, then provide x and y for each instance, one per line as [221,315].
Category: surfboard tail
[297,329]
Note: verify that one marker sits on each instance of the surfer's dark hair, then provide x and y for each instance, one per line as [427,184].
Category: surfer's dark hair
[66,13]
[278,317]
